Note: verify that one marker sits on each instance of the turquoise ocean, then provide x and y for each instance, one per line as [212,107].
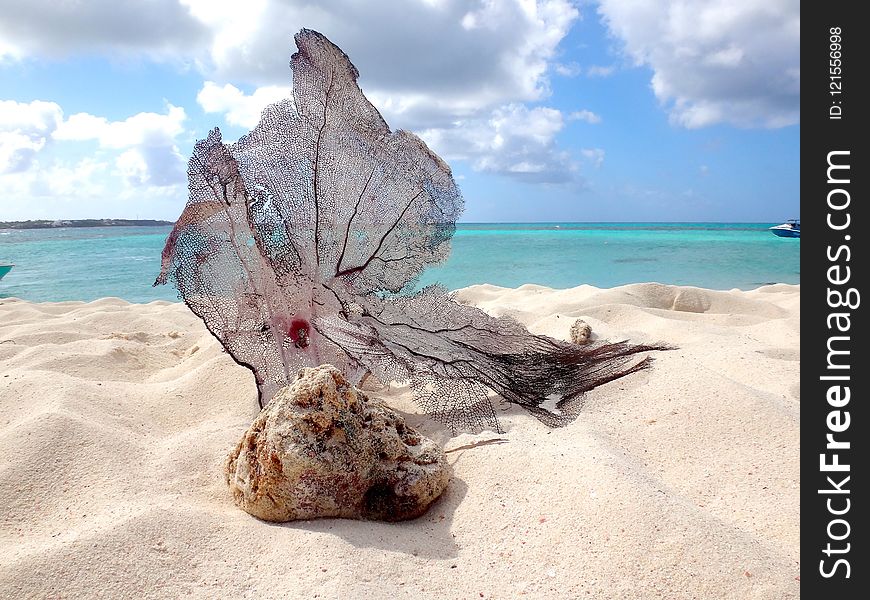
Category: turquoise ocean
[90,263]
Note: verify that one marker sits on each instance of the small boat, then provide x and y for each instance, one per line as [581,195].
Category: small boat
[5,269]
[791,229]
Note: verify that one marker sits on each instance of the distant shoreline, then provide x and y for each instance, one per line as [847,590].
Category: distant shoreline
[57,224]
[468,225]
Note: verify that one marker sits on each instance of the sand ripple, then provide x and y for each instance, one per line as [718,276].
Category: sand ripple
[679,482]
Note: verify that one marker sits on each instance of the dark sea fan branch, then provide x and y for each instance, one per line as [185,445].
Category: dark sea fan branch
[380,245]
[300,240]
[340,260]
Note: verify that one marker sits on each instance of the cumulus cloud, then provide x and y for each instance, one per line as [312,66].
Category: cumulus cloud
[81,189]
[571,69]
[239,108]
[600,71]
[62,179]
[137,162]
[145,128]
[158,166]
[460,52]
[138,169]
[585,115]
[48,27]
[434,65]
[455,70]
[25,129]
[716,61]
[151,155]
[427,63]
[513,140]
[593,155]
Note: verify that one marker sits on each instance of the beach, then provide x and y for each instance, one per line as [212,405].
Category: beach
[681,481]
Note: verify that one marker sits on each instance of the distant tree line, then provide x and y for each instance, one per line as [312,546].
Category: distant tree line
[46,224]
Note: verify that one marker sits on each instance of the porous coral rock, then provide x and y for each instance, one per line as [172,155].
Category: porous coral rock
[580,332]
[691,300]
[321,448]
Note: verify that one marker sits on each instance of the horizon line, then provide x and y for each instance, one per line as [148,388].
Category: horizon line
[457,222]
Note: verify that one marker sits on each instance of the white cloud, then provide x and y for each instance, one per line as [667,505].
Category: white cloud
[593,155]
[600,71]
[9,51]
[81,189]
[49,27]
[427,65]
[17,151]
[137,166]
[145,128]
[25,129]
[239,108]
[151,155]
[158,166]
[453,69]
[585,115]
[57,189]
[715,61]
[132,166]
[38,117]
[69,180]
[513,140]
[492,52]
[571,69]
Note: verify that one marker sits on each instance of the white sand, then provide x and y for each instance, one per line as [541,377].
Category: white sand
[678,482]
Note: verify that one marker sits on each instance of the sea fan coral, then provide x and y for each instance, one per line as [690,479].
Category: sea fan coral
[301,242]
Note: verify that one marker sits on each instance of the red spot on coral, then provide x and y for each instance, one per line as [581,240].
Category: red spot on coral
[299,332]
[296,328]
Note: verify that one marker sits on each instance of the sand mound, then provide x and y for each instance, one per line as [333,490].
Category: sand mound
[678,482]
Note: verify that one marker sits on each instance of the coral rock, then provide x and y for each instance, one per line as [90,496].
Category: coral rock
[321,448]
[691,300]
[580,332]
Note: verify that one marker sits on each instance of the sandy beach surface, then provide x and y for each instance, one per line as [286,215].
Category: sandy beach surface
[677,482]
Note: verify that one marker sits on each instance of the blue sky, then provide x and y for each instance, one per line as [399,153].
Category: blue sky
[616,110]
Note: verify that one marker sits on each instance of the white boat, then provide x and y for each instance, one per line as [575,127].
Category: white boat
[791,229]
